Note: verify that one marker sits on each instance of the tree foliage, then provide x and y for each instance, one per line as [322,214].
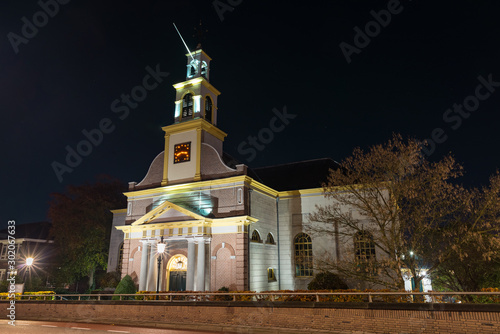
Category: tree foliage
[416,217]
[327,281]
[81,226]
[473,258]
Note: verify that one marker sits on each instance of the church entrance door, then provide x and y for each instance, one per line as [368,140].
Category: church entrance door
[176,273]
[177,281]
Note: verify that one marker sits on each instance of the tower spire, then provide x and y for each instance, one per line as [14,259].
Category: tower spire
[200,34]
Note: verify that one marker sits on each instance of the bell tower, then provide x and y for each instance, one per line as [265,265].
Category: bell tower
[196,97]
[195,123]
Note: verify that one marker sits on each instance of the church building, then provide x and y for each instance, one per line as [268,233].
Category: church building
[198,221]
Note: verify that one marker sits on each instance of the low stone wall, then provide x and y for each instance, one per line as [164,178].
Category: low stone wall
[259,316]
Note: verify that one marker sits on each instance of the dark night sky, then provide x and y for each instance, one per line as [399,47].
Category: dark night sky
[266,54]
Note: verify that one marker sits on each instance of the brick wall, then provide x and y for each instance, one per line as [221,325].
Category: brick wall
[372,318]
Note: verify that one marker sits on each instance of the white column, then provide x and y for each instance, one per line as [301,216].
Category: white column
[200,266]
[151,285]
[144,266]
[197,104]
[191,258]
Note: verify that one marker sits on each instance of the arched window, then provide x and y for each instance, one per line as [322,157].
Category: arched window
[270,239]
[187,106]
[364,247]
[271,275]
[256,236]
[208,109]
[120,258]
[204,69]
[303,255]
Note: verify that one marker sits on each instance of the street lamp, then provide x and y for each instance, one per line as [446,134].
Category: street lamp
[160,247]
[29,263]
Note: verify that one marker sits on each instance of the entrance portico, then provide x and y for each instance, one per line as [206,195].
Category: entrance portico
[186,263]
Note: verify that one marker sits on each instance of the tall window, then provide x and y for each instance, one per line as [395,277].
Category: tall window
[303,255]
[208,109]
[271,275]
[256,236]
[270,239]
[364,247]
[3,251]
[187,106]
[120,258]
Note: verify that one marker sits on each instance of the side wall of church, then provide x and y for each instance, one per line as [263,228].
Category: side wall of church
[287,271]
[229,202]
[116,239]
[132,252]
[228,262]
[139,208]
[263,256]
[294,213]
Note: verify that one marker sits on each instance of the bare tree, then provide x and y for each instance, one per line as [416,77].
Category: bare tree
[472,259]
[393,213]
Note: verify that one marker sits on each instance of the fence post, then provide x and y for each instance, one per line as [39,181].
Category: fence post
[79,297]
[370,297]
[234,298]
[317,297]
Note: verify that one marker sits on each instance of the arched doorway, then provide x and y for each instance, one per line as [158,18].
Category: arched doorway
[176,273]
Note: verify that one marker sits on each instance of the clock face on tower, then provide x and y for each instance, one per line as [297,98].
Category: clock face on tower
[182,152]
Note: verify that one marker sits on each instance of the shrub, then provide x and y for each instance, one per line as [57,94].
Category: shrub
[126,286]
[327,281]
[29,295]
[6,295]
[488,299]
[110,280]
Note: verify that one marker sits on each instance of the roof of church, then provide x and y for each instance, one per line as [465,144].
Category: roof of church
[296,175]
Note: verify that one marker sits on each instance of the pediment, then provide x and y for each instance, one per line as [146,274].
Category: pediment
[165,211]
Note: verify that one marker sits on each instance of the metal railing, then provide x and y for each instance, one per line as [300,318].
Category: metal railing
[402,297]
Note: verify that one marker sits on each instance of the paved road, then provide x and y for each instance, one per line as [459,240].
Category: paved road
[46,327]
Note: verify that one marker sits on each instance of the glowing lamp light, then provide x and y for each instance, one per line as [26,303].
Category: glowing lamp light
[161,248]
[411,253]
[29,261]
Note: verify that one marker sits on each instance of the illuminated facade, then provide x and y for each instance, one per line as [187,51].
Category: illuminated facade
[224,224]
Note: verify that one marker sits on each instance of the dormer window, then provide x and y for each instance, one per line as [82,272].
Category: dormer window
[187,106]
